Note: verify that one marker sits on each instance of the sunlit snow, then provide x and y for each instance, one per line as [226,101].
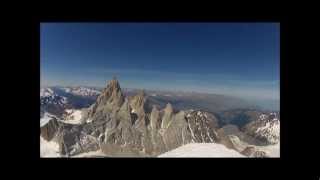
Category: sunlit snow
[48,148]
[73,117]
[202,150]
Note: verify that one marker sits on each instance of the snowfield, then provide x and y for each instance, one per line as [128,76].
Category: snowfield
[202,150]
[74,116]
[90,154]
[48,148]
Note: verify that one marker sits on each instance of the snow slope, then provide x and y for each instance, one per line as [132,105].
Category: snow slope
[46,118]
[51,149]
[48,148]
[202,150]
[74,116]
[90,154]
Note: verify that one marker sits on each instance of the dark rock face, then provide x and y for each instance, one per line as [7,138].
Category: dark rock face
[49,130]
[121,126]
[73,139]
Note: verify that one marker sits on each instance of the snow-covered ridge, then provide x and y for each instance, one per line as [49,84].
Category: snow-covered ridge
[202,150]
[46,118]
[271,130]
[82,91]
[46,92]
[48,96]
[267,127]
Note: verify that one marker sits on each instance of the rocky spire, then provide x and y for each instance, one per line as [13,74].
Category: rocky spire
[113,93]
[168,112]
[154,118]
[168,109]
[109,100]
[124,114]
[138,101]
[113,85]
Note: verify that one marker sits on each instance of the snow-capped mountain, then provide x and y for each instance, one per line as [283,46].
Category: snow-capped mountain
[81,91]
[116,124]
[47,95]
[56,100]
[52,103]
[122,125]
[46,92]
[265,128]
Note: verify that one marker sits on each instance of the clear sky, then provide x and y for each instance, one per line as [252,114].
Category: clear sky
[240,59]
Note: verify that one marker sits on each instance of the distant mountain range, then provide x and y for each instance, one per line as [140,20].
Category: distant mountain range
[131,122]
[81,97]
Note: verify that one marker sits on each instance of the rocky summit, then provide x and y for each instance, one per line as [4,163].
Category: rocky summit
[122,126]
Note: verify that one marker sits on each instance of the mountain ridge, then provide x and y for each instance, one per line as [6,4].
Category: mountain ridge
[123,125]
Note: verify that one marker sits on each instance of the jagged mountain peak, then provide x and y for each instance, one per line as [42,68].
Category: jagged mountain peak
[137,102]
[113,90]
[110,99]
[118,124]
[168,108]
[113,84]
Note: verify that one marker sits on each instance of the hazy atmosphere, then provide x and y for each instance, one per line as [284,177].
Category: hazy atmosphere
[239,59]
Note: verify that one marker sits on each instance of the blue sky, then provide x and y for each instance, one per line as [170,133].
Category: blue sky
[240,59]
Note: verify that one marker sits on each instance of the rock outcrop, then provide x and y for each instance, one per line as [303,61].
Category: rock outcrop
[251,151]
[266,129]
[49,130]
